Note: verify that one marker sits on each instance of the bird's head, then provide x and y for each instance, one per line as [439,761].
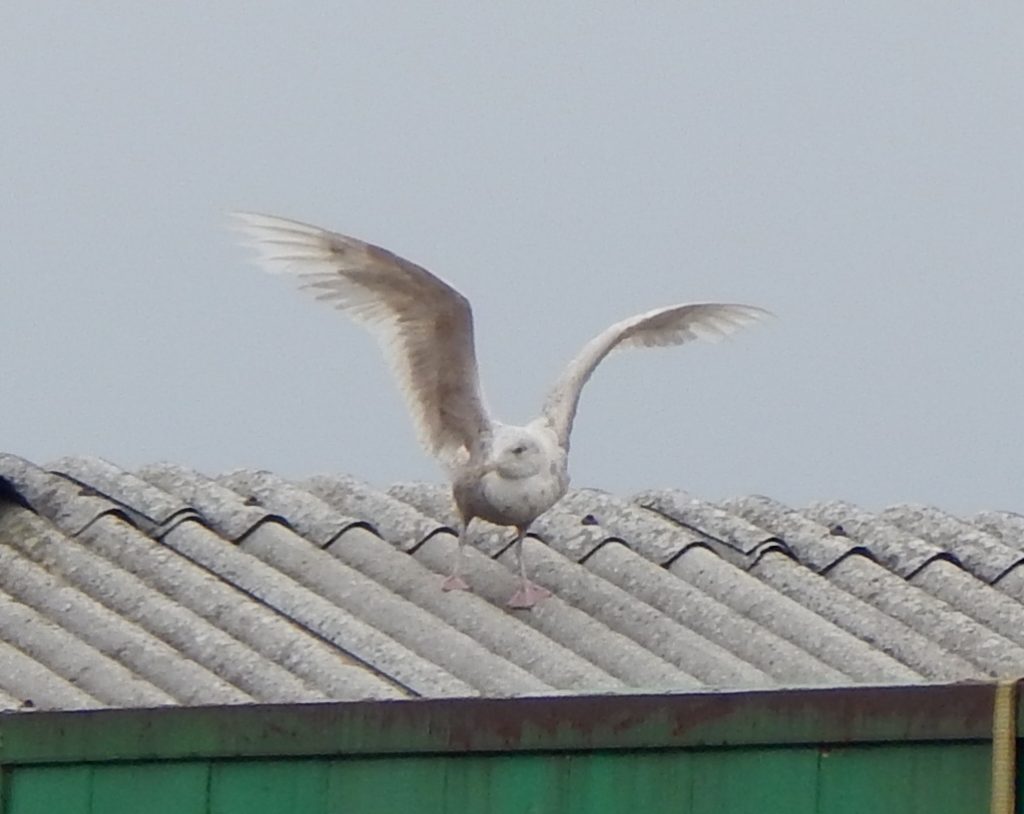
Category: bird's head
[517,453]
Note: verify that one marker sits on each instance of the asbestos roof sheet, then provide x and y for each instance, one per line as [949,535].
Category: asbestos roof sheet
[166,586]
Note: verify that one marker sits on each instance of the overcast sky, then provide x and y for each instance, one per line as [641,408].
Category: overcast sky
[854,167]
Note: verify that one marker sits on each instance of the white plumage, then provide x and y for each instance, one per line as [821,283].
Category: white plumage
[504,474]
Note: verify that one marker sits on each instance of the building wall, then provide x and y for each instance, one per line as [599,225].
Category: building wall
[948,778]
[898,750]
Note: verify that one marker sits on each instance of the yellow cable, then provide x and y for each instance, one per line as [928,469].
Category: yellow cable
[1004,748]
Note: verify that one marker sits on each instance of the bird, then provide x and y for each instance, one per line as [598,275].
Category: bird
[504,474]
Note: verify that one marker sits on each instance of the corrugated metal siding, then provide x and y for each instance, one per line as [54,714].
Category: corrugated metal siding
[931,779]
[876,750]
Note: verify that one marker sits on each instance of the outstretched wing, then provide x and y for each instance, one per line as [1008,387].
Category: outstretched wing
[424,325]
[674,325]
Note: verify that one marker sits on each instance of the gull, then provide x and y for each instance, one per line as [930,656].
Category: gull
[504,474]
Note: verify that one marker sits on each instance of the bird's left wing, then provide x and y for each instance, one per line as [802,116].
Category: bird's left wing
[424,325]
[673,325]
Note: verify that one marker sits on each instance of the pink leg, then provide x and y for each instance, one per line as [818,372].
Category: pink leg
[529,593]
[454,580]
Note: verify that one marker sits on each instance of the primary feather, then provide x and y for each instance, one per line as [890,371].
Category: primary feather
[673,325]
[424,325]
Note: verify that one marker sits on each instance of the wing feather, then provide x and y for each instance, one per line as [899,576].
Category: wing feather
[674,325]
[424,325]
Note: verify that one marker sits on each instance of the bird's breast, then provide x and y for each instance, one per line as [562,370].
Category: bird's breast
[520,501]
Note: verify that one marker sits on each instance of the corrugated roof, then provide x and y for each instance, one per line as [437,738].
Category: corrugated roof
[165,586]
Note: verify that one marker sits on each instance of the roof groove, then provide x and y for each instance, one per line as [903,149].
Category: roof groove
[129,597]
[612,652]
[223,605]
[770,654]
[116,637]
[410,626]
[981,553]
[738,541]
[64,654]
[304,608]
[497,629]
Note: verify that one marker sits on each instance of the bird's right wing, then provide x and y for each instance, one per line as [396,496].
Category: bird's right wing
[424,325]
[673,325]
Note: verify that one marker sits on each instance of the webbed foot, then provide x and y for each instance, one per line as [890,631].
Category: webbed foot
[454,583]
[528,595]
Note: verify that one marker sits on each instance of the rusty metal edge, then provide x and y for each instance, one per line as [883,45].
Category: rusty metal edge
[959,712]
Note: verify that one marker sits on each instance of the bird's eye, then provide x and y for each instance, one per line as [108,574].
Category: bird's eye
[519,450]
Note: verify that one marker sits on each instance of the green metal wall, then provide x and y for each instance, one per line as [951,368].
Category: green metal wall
[931,779]
[871,751]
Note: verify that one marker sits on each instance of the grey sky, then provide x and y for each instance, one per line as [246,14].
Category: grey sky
[856,168]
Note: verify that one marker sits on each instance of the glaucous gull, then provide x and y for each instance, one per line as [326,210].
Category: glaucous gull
[504,474]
